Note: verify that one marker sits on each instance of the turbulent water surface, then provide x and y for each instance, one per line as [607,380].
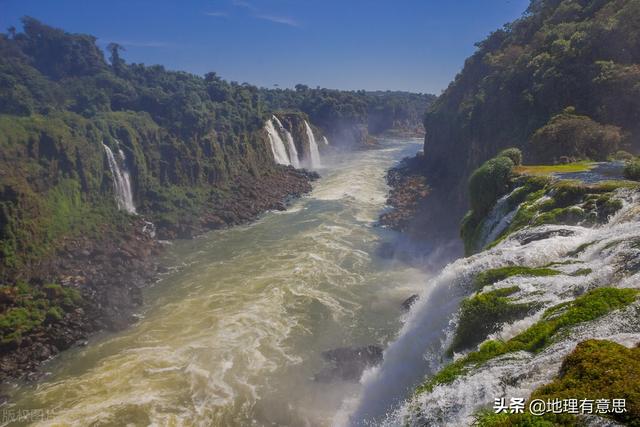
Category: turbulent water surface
[234,335]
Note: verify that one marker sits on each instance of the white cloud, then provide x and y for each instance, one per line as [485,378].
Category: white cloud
[279,20]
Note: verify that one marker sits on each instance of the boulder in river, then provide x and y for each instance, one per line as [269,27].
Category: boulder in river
[348,363]
[406,304]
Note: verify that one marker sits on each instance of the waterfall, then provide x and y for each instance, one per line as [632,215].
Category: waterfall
[314,155]
[498,219]
[293,152]
[325,140]
[277,145]
[418,351]
[121,181]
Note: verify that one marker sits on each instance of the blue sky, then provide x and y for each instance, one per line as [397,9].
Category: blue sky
[415,45]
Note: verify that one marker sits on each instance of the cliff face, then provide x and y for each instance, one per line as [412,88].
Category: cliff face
[560,81]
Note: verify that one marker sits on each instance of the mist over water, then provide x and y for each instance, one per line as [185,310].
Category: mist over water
[234,334]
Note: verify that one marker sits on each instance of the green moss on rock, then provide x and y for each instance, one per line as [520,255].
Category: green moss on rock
[495,275]
[596,369]
[481,315]
[590,306]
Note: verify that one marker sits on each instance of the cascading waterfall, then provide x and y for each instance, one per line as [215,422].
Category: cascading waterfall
[498,219]
[121,180]
[291,146]
[277,145]
[287,154]
[420,346]
[325,140]
[314,154]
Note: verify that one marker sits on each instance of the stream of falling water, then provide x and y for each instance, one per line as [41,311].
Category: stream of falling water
[234,335]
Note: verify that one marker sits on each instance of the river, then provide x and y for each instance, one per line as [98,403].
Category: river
[234,334]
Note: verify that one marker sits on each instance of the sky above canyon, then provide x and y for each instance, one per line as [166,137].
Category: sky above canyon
[413,45]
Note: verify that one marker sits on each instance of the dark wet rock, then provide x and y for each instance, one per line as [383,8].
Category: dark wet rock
[348,363]
[534,236]
[406,304]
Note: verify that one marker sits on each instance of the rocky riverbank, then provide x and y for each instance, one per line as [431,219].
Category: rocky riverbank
[408,190]
[95,284]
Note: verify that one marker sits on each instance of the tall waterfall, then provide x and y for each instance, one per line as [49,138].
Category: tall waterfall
[291,146]
[277,145]
[314,154]
[121,181]
[287,153]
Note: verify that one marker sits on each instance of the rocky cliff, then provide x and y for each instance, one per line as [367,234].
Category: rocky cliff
[560,83]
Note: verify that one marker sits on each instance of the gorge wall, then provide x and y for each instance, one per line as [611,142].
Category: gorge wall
[560,83]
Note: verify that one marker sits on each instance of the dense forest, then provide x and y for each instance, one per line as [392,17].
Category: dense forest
[186,138]
[561,83]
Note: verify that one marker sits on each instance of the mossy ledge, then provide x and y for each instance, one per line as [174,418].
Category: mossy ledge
[539,200]
[596,369]
[494,275]
[590,306]
[481,314]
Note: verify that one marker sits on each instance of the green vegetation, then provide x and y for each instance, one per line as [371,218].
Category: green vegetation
[487,184]
[512,153]
[632,170]
[599,369]
[560,81]
[596,369]
[489,418]
[187,139]
[481,314]
[25,308]
[494,275]
[565,202]
[569,135]
[590,306]
[621,155]
[582,166]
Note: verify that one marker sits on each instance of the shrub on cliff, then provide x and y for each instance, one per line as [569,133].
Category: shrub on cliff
[488,183]
[571,135]
[512,153]
[632,170]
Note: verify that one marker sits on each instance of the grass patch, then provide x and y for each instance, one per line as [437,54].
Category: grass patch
[590,306]
[494,275]
[544,170]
